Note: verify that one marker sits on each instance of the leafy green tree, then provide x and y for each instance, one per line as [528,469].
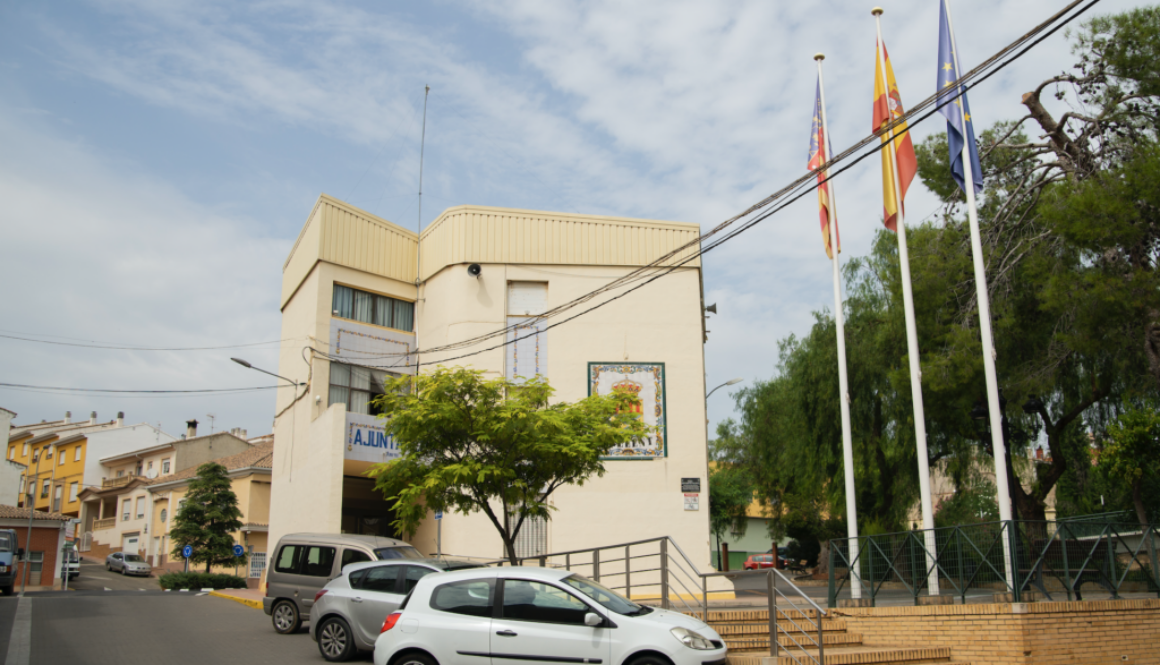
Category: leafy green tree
[730,493]
[208,519]
[492,445]
[1132,455]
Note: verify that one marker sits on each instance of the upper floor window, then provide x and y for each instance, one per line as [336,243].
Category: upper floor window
[164,466]
[356,387]
[77,455]
[370,308]
[12,452]
[25,453]
[62,460]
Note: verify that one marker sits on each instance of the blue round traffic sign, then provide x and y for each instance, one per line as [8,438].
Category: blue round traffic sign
[239,550]
[187,551]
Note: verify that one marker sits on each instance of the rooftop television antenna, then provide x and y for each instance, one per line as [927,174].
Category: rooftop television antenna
[211,417]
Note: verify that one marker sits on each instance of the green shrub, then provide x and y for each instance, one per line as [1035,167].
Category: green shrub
[200,581]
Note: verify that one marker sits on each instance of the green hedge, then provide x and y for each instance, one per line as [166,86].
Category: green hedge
[200,581]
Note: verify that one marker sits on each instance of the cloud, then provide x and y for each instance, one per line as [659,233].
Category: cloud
[99,250]
[678,110]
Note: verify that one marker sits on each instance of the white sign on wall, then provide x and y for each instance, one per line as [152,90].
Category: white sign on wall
[367,441]
[692,501]
[371,346]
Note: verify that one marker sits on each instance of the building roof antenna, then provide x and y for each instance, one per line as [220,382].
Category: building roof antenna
[419,228]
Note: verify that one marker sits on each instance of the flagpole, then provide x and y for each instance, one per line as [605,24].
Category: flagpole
[982,295]
[911,339]
[843,383]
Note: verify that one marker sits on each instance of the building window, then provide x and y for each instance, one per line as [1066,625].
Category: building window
[375,309]
[164,516]
[140,507]
[72,492]
[149,466]
[356,387]
[23,484]
[164,466]
[36,559]
[62,459]
[12,452]
[126,510]
[44,490]
[56,498]
[77,457]
[25,453]
[47,452]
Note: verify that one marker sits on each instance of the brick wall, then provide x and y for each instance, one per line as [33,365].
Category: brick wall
[44,539]
[1105,631]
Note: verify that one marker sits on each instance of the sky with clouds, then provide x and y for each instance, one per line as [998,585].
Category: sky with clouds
[158,157]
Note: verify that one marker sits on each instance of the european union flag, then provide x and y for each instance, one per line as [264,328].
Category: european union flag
[960,129]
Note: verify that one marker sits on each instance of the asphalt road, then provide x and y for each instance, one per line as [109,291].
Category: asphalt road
[150,627]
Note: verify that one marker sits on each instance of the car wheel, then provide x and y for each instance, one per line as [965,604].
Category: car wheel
[648,660]
[285,617]
[335,642]
[415,659]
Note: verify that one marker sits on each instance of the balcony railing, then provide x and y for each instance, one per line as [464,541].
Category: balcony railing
[119,482]
[107,523]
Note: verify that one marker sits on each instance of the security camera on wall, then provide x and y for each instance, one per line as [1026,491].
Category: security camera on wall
[474,270]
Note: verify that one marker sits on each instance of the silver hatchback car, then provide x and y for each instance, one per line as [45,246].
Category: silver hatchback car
[348,613]
[128,564]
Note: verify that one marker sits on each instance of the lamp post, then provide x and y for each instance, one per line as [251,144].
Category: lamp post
[247,365]
[730,382]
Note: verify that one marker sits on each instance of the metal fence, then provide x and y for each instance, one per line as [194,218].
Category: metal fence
[1055,558]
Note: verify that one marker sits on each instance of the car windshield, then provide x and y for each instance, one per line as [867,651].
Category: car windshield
[400,552]
[133,558]
[72,556]
[5,542]
[605,596]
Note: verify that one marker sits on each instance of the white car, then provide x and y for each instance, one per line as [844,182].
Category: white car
[513,616]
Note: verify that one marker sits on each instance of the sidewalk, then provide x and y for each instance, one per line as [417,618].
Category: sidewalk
[248,597]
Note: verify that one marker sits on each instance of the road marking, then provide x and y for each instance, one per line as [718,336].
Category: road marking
[108,589]
[20,641]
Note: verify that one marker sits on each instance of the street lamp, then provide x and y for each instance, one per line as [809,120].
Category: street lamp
[730,382]
[247,365]
[30,503]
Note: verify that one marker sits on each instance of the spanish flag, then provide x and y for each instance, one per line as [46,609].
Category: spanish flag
[888,107]
[819,155]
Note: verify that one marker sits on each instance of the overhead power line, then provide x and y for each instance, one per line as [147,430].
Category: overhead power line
[70,389]
[128,347]
[807,183]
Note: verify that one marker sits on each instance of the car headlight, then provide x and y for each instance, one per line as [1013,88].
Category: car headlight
[691,639]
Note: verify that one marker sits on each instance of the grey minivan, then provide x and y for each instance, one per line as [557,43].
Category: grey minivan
[304,562]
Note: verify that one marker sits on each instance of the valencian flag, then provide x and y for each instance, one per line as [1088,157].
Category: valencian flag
[888,107]
[960,130]
[819,155]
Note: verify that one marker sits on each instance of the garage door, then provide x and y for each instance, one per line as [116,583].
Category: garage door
[129,544]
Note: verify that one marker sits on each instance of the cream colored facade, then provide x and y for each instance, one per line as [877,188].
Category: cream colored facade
[318,469]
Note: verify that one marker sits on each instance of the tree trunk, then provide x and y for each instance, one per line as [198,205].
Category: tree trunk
[1138,500]
[823,566]
[1152,344]
[207,565]
[509,546]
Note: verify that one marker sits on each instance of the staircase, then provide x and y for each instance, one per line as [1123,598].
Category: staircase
[746,633]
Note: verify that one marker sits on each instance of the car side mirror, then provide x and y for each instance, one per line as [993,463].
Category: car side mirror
[593,619]
[19,552]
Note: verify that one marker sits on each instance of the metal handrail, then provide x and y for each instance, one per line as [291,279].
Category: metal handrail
[679,576]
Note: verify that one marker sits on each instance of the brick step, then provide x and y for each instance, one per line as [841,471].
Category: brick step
[854,655]
[762,627]
[762,642]
[745,616]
